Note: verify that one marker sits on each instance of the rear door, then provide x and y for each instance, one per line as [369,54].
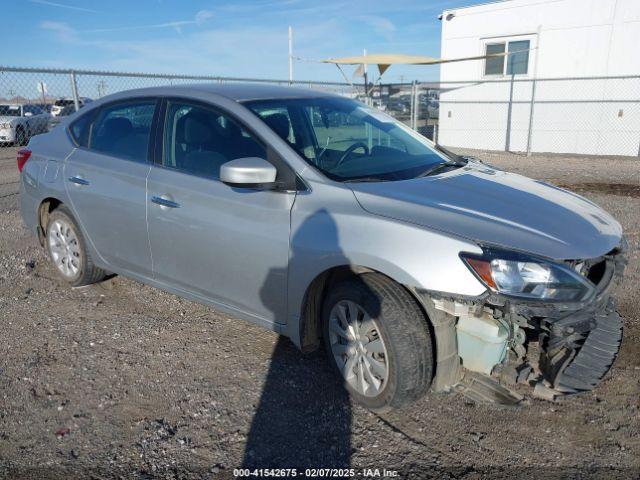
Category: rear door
[223,244]
[106,181]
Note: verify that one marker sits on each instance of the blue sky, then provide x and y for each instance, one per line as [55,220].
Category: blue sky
[229,38]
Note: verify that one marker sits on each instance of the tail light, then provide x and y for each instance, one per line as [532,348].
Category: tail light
[23,156]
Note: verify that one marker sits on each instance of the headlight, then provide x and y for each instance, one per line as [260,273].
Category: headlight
[527,276]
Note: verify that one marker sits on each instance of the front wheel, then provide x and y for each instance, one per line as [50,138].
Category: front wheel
[378,339]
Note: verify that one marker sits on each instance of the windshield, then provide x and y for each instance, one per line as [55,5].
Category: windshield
[10,110]
[348,140]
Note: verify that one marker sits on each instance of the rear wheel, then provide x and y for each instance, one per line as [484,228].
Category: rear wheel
[67,250]
[377,338]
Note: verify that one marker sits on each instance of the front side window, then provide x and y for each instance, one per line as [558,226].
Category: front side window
[347,140]
[516,62]
[198,140]
[123,130]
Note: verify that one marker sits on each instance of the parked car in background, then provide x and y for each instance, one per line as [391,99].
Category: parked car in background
[61,103]
[398,107]
[331,222]
[66,111]
[433,108]
[46,107]
[428,106]
[18,123]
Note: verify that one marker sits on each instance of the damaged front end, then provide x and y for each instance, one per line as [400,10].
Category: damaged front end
[559,347]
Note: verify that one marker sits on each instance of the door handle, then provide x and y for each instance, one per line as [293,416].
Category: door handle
[164,202]
[78,180]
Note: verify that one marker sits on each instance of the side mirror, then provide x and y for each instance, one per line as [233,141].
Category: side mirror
[28,114]
[249,172]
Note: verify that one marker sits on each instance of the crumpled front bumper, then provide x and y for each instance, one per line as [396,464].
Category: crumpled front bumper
[579,342]
[574,344]
[577,362]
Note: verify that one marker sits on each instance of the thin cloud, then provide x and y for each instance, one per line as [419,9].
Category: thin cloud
[379,24]
[176,24]
[199,18]
[202,16]
[63,5]
[258,52]
[61,30]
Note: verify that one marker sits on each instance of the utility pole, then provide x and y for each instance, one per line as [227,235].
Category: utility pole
[42,91]
[366,82]
[290,55]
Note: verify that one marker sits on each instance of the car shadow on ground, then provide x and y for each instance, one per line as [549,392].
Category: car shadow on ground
[303,419]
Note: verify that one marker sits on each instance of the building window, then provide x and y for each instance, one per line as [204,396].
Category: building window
[517,59]
[494,65]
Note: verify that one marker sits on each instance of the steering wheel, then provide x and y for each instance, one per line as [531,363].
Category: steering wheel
[350,150]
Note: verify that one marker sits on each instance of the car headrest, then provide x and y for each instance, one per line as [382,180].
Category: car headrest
[279,123]
[225,128]
[196,129]
[117,127]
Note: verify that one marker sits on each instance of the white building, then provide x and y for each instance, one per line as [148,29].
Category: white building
[490,105]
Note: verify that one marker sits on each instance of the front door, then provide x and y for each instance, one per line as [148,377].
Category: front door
[106,182]
[223,244]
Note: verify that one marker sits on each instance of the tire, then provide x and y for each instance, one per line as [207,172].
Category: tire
[21,137]
[392,332]
[67,250]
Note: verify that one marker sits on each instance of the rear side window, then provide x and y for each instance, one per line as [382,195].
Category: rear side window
[123,130]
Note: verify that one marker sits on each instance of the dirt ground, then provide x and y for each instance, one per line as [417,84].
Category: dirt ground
[122,380]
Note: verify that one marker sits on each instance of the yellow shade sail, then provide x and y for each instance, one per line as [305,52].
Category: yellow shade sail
[385,60]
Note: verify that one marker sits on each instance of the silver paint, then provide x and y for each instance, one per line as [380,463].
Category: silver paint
[245,171]
[254,253]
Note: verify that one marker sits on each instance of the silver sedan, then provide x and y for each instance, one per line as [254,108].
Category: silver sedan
[330,222]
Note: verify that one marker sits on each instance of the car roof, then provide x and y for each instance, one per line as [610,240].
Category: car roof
[234,91]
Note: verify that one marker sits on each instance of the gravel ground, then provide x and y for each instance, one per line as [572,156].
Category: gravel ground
[122,380]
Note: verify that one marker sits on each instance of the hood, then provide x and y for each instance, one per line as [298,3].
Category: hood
[495,207]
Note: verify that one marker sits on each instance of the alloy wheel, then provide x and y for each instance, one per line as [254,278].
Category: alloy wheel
[64,248]
[358,348]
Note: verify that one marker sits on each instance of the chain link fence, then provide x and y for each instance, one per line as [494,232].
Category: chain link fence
[584,115]
[45,86]
[587,115]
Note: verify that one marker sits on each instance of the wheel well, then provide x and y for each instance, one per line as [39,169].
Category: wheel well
[310,327]
[47,206]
